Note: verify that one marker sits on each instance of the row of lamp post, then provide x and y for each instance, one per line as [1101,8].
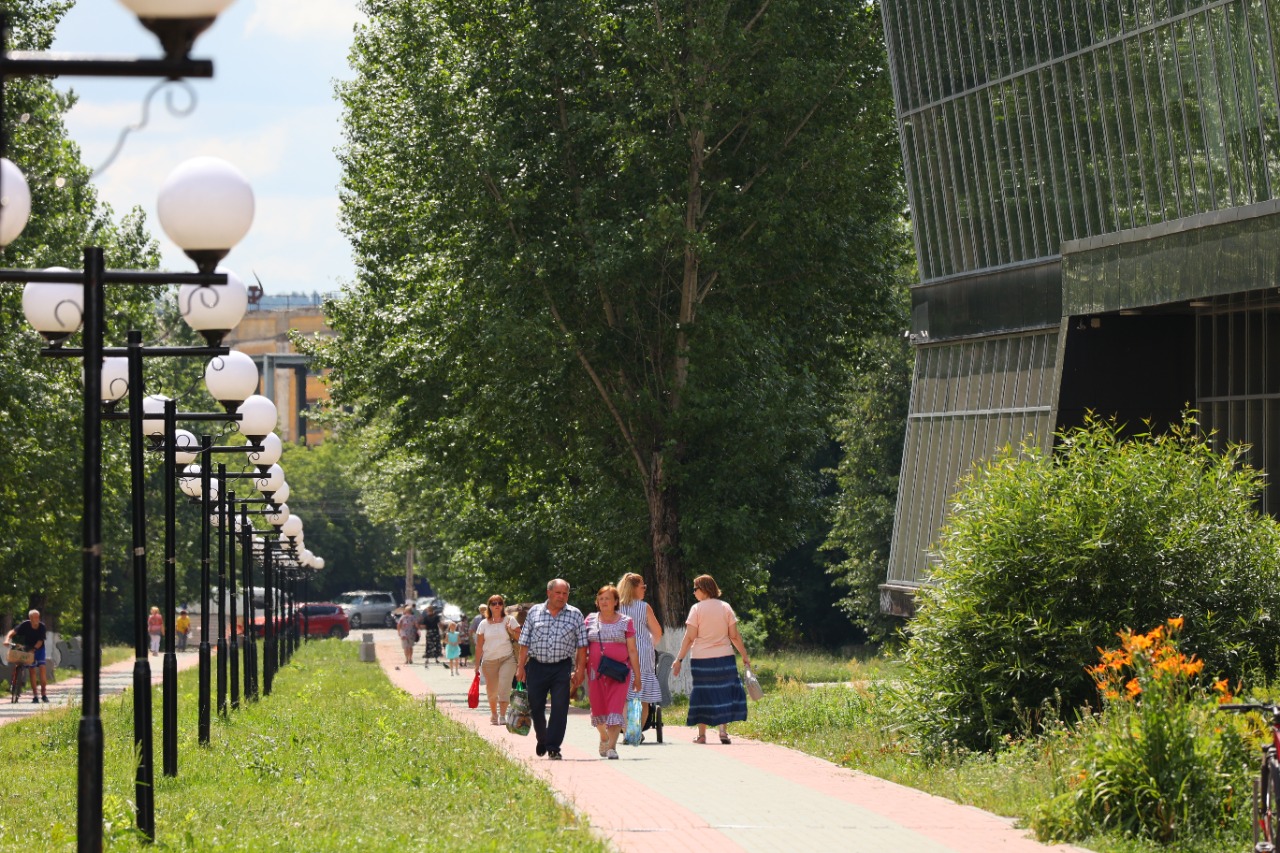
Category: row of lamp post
[206,207]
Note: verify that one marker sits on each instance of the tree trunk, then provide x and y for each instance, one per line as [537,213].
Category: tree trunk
[410,594]
[671,601]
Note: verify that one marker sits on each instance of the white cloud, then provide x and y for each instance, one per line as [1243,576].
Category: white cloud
[305,19]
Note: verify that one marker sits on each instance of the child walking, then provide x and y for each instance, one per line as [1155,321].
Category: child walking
[452,650]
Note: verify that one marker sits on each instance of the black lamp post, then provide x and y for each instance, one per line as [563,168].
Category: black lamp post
[177,23]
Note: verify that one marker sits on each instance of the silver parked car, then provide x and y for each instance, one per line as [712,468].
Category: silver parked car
[368,609]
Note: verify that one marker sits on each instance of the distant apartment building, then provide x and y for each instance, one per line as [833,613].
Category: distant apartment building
[288,377]
[1095,191]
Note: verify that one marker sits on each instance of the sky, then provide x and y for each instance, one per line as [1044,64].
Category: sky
[269,109]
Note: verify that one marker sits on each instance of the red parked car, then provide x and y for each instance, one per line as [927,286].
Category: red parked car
[322,620]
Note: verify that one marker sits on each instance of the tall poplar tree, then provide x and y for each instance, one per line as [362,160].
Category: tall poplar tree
[40,405]
[609,259]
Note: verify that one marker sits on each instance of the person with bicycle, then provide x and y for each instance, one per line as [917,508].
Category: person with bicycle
[31,634]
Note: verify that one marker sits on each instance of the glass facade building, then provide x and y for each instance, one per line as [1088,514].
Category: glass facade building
[1095,193]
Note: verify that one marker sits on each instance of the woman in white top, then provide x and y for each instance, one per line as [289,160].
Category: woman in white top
[631,591]
[495,652]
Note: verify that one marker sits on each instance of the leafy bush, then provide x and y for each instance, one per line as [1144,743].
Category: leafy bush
[1158,764]
[1045,558]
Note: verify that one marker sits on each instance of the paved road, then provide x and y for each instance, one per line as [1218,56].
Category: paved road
[113,679]
[750,796]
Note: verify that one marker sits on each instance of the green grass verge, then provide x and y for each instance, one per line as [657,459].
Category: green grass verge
[336,759]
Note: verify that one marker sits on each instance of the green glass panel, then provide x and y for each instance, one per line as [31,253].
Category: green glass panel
[1210,107]
[1153,136]
[988,161]
[917,187]
[1073,190]
[959,190]
[1262,18]
[1193,118]
[1235,256]
[1048,136]
[1147,187]
[1120,102]
[1233,133]
[1110,184]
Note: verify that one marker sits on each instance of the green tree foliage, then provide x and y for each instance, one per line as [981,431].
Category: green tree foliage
[610,256]
[357,552]
[1044,559]
[40,407]
[871,428]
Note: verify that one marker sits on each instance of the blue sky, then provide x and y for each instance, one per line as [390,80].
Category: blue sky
[269,109]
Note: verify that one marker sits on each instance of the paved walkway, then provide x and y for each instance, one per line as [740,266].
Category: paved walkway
[750,796]
[69,689]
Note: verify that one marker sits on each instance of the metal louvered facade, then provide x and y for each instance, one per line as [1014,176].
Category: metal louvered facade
[1093,187]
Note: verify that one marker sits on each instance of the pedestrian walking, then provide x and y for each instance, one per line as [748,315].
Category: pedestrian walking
[407,628]
[452,651]
[553,663]
[431,627]
[495,656]
[182,627]
[155,629]
[32,634]
[631,591]
[611,637]
[711,633]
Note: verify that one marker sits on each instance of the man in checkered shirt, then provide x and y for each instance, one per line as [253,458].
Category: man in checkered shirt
[553,655]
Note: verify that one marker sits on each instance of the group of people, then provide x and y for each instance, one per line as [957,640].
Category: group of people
[559,650]
[155,629]
[554,650]
[444,637]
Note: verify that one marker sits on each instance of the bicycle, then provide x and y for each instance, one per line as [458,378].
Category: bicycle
[1266,788]
[22,659]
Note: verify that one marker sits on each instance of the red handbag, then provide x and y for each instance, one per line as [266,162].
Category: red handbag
[473,695]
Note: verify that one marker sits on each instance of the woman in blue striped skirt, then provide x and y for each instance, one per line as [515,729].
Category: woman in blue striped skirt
[711,634]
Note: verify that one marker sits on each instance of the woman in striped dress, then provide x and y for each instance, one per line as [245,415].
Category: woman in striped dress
[648,632]
[712,634]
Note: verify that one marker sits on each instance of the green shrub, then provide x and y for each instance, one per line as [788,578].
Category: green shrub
[1158,764]
[1045,558]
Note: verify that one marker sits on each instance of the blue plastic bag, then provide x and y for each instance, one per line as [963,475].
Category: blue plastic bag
[632,734]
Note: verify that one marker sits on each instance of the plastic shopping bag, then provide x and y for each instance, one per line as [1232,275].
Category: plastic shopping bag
[753,686]
[473,695]
[635,713]
[518,719]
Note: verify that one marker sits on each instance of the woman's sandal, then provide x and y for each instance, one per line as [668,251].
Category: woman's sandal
[724,738]
[700,739]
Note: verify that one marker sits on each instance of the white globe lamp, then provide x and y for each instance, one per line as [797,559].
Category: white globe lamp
[206,207]
[214,309]
[153,417]
[231,378]
[272,449]
[54,309]
[115,379]
[15,203]
[257,417]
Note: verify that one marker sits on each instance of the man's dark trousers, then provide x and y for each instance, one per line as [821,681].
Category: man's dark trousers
[549,678]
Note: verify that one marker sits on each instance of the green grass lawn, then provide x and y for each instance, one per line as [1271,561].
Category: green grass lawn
[335,759]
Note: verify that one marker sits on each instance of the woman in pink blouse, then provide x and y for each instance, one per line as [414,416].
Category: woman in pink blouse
[610,634]
[711,632]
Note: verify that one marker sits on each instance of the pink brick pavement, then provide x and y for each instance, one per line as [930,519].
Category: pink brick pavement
[69,687]
[680,796]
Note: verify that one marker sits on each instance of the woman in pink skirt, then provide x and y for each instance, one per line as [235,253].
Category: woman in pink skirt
[610,634]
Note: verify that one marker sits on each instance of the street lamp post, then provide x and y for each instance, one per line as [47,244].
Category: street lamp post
[177,23]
